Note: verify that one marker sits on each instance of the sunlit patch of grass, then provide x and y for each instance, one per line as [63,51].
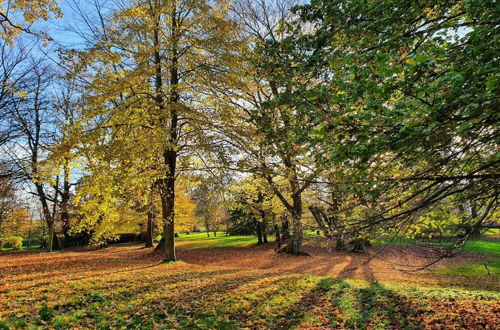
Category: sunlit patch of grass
[24,248]
[487,267]
[201,241]
[483,246]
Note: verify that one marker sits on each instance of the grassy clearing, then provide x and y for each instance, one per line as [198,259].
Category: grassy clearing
[112,292]
[487,267]
[24,248]
[201,241]
[483,246]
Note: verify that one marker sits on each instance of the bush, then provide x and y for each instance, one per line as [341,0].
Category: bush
[13,242]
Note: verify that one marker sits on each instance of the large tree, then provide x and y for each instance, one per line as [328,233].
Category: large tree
[407,100]
[152,67]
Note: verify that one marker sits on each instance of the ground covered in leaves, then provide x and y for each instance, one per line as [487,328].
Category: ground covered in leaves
[238,285]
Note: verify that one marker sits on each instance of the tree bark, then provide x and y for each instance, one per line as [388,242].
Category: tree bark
[167,184]
[205,217]
[167,206]
[258,231]
[65,196]
[150,230]
[297,230]
[359,245]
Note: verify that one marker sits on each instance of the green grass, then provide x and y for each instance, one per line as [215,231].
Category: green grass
[483,246]
[473,269]
[493,231]
[24,248]
[201,241]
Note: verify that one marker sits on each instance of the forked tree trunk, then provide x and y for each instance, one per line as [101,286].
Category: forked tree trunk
[297,237]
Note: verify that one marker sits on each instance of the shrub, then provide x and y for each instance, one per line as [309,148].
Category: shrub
[13,242]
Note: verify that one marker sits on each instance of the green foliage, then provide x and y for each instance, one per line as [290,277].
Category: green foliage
[46,313]
[403,96]
[13,242]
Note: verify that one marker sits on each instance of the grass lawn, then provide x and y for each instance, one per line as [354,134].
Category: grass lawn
[484,245]
[200,240]
[486,267]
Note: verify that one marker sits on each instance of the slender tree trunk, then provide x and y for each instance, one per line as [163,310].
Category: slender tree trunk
[278,238]
[297,230]
[205,217]
[150,230]
[264,231]
[340,244]
[65,196]
[263,224]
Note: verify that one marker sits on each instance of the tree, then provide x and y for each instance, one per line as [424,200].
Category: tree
[267,138]
[254,208]
[406,99]
[30,10]
[31,117]
[151,66]
[7,201]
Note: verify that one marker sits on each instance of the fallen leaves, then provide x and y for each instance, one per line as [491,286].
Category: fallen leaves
[127,287]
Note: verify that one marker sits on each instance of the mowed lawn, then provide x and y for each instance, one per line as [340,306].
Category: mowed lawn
[229,282]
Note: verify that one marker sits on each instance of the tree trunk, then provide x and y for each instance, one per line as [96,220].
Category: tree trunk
[65,196]
[167,207]
[258,230]
[205,217]
[359,245]
[50,240]
[297,230]
[297,235]
[150,230]
[340,244]
[47,215]
[278,238]
[167,184]
[263,223]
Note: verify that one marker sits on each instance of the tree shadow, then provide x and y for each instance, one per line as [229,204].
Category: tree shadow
[378,306]
[357,263]
[297,311]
